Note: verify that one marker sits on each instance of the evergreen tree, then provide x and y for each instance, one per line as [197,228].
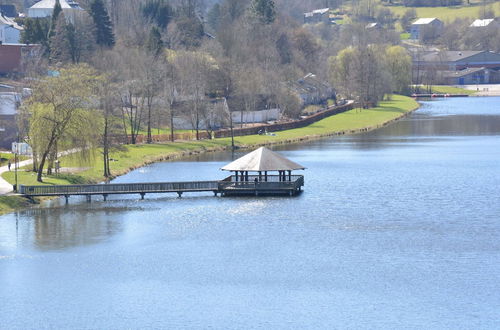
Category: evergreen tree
[264,10]
[155,44]
[60,42]
[35,30]
[55,15]
[102,23]
[213,17]
[159,12]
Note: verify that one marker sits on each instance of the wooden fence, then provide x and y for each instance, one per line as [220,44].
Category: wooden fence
[203,135]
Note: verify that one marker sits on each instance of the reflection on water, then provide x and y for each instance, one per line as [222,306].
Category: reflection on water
[397,228]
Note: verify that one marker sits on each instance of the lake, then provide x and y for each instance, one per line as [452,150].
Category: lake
[396,228]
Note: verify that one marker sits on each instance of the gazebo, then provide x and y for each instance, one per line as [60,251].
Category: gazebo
[260,162]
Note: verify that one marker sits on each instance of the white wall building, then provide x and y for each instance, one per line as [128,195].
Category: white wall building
[44,8]
[259,116]
[10,32]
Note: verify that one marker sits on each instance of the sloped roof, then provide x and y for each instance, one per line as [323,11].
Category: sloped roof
[262,159]
[65,4]
[482,22]
[450,55]
[4,20]
[424,21]
[462,73]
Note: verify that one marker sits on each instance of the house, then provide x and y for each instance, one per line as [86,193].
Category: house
[458,60]
[14,56]
[425,26]
[485,23]
[317,16]
[9,102]
[311,90]
[44,8]
[372,26]
[8,11]
[10,31]
[469,76]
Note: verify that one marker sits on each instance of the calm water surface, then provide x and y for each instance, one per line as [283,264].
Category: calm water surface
[398,228]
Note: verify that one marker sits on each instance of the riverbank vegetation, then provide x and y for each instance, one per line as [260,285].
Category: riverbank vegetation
[165,67]
[134,156]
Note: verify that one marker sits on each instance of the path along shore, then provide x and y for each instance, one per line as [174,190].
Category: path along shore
[351,122]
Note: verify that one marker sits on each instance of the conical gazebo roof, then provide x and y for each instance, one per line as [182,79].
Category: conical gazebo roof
[262,159]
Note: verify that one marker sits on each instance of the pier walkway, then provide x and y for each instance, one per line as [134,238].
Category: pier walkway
[232,185]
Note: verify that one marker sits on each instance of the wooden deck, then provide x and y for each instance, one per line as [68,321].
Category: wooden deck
[252,185]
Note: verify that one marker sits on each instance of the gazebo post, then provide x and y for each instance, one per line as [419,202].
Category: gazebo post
[260,175]
[290,176]
[236,175]
[246,175]
[265,176]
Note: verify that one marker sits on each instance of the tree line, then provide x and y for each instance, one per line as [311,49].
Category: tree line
[130,68]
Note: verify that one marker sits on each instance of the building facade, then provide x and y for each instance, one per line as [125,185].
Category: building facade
[45,8]
[425,27]
[10,31]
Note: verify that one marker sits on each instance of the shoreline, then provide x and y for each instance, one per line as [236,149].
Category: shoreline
[199,148]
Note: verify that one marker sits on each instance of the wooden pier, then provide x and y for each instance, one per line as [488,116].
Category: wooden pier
[260,162]
[230,186]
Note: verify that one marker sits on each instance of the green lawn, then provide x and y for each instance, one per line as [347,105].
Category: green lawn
[451,90]
[404,36]
[445,13]
[134,156]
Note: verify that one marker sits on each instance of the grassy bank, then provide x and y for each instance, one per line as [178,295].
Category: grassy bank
[439,89]
[134,156]
[446,13]
[11,203]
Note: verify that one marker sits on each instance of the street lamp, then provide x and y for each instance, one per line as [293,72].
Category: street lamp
[16,150]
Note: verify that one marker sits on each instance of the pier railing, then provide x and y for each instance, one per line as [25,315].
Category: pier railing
[255,182]
[247,184]
[124,188]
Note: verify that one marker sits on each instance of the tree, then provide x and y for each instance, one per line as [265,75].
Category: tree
[214,16]
[54,20]
[264,11]
[158,12]
[59,113]
[60,41]
[103,26]
[399,65]
[407,19]
[36,30]
[154,43]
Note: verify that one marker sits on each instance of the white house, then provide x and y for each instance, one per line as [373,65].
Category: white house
[10,32]
[44,8]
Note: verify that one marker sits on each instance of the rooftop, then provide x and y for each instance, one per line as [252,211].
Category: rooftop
[4,20]
[317,12]
[462,73]
[424,21]
[49,4]
[450,55]
[262,159]
[482,22]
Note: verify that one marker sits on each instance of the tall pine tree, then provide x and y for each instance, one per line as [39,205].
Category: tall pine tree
[264,10]
[102,23]
[55,15]
[155,44]
[60,42]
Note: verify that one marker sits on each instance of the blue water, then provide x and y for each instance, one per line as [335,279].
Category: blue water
[398,228]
